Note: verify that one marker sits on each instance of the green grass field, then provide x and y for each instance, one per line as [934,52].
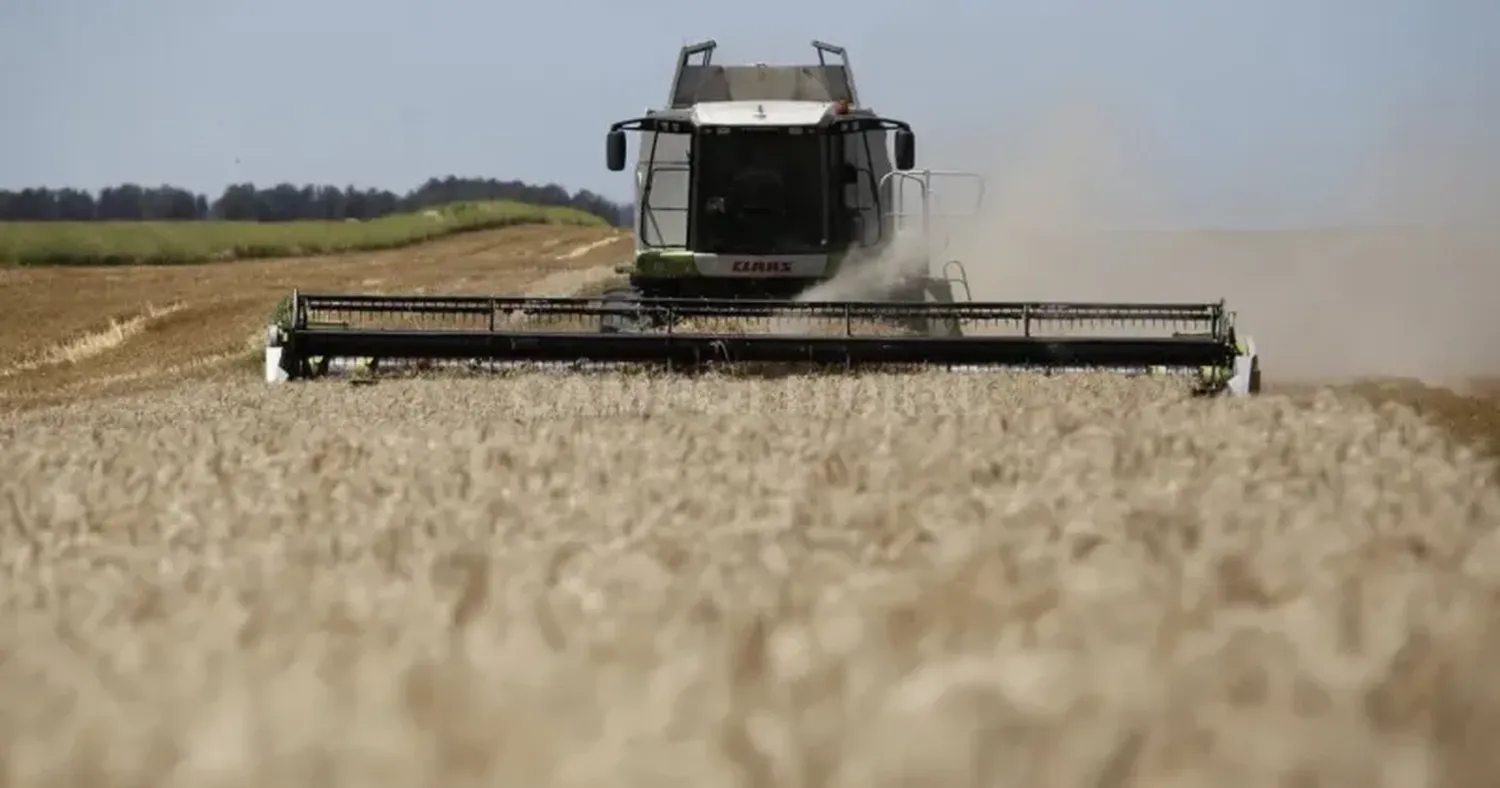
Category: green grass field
[165,243]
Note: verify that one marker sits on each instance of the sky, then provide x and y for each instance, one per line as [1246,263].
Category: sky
[1228,112]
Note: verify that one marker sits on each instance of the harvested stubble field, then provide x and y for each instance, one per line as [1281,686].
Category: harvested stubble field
[801,581]
[74,332]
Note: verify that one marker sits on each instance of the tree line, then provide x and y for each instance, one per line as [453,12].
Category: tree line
[286,202]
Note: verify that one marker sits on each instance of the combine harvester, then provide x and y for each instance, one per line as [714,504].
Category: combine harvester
[756,187]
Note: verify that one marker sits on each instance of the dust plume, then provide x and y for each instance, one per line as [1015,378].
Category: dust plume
[1409,294]
[864,276]
[1391,299]
[868,277]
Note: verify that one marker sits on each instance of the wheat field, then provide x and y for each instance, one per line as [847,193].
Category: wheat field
[872,581]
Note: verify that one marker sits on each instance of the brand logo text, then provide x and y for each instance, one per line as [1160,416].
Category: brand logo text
[761,267]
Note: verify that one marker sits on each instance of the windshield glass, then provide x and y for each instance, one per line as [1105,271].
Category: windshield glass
[759,192]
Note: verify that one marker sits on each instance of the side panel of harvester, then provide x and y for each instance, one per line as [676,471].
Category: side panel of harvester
[662,209]
[867,196]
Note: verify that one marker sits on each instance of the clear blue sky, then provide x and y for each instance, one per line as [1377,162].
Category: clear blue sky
[1249,112]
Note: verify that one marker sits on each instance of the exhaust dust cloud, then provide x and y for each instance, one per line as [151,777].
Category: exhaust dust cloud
[1388,300]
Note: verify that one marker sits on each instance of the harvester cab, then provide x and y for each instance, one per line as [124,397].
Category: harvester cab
[767,195]
[765,181]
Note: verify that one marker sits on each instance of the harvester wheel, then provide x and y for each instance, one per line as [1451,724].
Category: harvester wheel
[940,291]
[928,291]
[619,318]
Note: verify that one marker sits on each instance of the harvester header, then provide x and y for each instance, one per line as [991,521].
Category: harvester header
[485,331]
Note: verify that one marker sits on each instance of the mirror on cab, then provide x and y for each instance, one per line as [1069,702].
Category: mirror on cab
[616,154]
[906,149]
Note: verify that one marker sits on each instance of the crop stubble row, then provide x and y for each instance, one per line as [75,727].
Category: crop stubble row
[847,581]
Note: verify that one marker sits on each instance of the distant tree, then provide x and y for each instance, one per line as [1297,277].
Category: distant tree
[35,205]
[75,205]
[287,202]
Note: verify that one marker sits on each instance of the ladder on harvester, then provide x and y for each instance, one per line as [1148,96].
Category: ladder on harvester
[929,218]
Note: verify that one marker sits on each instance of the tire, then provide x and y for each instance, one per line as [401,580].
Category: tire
[910,295]
[618,317]
[939,291]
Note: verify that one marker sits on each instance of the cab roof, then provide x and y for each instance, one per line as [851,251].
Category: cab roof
[761,113]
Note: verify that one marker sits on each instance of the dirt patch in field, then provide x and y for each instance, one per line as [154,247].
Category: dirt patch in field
[576,281]
[76,332]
